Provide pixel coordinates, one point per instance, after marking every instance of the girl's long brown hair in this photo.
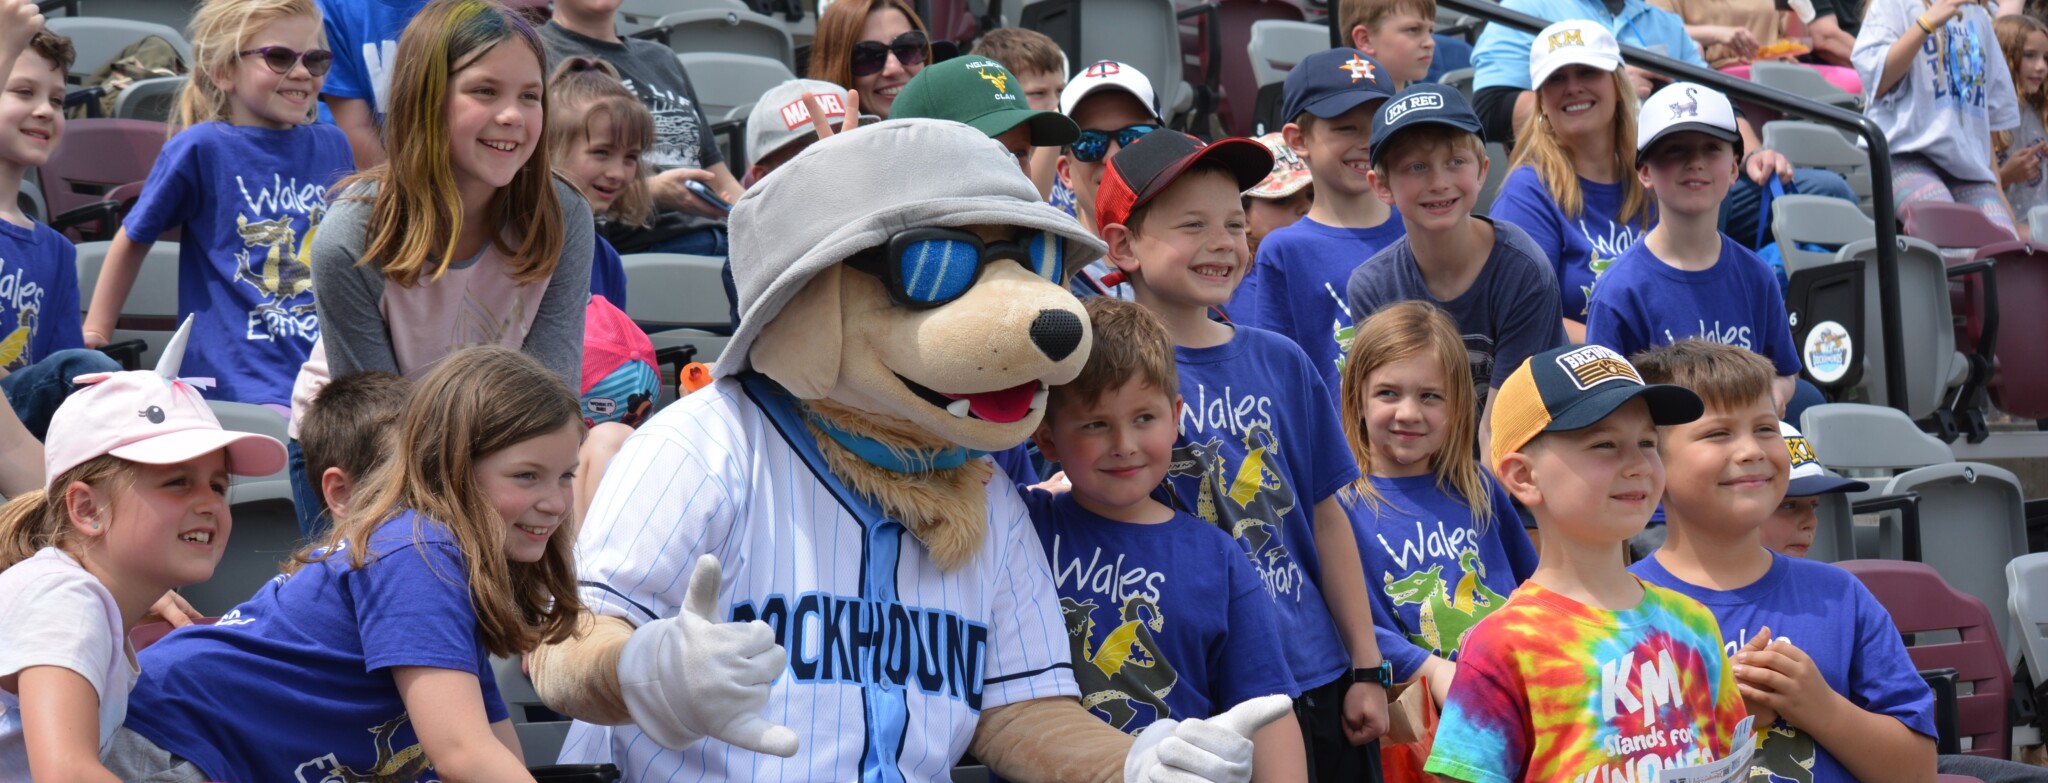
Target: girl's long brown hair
(416, 213)
(839, 29)
(475, 403)
(2012, 34)
(1397, 332)
(1538, 145)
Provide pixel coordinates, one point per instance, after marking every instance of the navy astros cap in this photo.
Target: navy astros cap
(1331, 82)
(1423, 103)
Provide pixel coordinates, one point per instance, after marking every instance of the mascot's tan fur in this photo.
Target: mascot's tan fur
(869, 366)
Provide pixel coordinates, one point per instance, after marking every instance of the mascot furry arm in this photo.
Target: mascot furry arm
(833, 472)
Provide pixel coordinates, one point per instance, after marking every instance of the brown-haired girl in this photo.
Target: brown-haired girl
(597, 134)
(2021, 150)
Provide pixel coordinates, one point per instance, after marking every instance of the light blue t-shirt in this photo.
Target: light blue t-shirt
(1501, 56)
(1259, 446)
(1580, 247)
(364, 37)
(1643, 303)
(1296, 287)
(1431, 572)
(250, 200)
(1829, 615)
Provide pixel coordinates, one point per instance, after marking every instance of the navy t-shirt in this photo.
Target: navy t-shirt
(1833, 618)
(1296, 288)
(39, 298)
(249, 200)
(1643, 303)
(1508, 315)
(1165, 620)
(1259, 446)
(1431, 572)
(1579, 247)
(295, 683)
(608, 273)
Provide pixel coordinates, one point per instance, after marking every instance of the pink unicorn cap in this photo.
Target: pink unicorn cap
(152, 417)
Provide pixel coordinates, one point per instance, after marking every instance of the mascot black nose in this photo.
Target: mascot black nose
(1056, 332)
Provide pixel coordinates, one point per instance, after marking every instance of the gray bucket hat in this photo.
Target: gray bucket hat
(854, 190)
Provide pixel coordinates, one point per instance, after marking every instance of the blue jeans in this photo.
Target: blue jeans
(306, 500)
(35, 391)
(1742, 218)
(706, 241)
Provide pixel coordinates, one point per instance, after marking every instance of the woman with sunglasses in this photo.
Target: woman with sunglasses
(872, 47)
(245, 175)
(684, 151)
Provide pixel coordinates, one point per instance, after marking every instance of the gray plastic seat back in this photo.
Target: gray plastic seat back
(737, 31)
(149, 99)
(1973, 521)
(155, 295)
(1850, 436)
(2037, 221)
(2026, 577)
(675, 290)
(1820, 146)
(1927, 325)
(1143, 33)
(1817, 220)
(1460, 80)
(1496, 172)
(726, 81)
(1803, 81)
(98, 38)
(540, 742)
(1277, 44)
(266, 529)
(1834, 535)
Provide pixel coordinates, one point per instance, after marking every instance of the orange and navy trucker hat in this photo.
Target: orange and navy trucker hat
(1151, 164)
(1574, 387)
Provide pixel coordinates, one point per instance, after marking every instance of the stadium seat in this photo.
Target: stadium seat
(1812, 145)
(99, 157)
(692, 311)
(1237, 87)
(1496, 172)
(266, 530)
(151, 312)
(2037, 222)
(2026, 577)
(1142, 33)
(1275, 47)
(1927, 612)
(728, 83)
(1804, 82)
(149, 99)
(1460, 80)
(98, 38)
(737, 31)
(637, 15)
(541, 730)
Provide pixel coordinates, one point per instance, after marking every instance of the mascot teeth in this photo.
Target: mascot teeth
(1038, 400)
(959, 408)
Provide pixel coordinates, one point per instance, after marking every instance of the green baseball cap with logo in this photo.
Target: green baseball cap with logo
(983, 94)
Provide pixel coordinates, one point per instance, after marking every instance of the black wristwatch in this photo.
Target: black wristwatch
(1381, 675)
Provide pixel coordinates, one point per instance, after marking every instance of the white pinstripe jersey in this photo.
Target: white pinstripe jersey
(889, 666)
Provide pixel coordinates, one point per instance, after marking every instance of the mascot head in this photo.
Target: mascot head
(908, 271)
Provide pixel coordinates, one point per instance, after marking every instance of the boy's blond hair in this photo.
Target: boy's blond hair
(1429, 137)
(1724, 376)
(1370, 13)
(1022, 51)
(1130, 342)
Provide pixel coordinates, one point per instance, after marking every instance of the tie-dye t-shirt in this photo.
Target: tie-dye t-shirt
(1550, 689)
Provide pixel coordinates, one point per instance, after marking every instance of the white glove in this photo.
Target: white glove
(1218, 749)
(690, 676)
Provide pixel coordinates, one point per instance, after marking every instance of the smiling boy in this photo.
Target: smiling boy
(1261, 454)
(1429, 163)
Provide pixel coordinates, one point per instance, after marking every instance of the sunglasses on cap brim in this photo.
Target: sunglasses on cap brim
(928, 267)
(870, 57)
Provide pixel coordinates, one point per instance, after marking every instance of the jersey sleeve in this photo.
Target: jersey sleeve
(412, 607)
(1483, 735)
(57, 620)
(1882, 677)
(171, 194)
(1029, 654)
(1252, 664)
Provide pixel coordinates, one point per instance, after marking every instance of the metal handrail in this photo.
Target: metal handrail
(1881, 197)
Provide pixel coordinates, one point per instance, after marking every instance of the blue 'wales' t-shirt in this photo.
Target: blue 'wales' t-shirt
(295, 684)
(1580, 247)
(1259, 447)
(1165, 620)
(249, 199)
(1296, 287)
(39, 304)
(364, 37)
(1643, 303)
(1431, 573)
(1829, 615)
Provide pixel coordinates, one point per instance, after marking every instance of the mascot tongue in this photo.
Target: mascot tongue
(1001, 406)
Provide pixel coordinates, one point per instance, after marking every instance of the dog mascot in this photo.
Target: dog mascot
(807, 571)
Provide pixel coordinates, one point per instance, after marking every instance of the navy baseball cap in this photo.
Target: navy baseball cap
(1423, 103)
(1329, 83)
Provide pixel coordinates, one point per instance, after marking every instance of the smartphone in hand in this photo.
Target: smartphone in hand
(703, 191)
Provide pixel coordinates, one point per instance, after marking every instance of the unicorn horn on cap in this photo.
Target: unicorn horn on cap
(174, 351)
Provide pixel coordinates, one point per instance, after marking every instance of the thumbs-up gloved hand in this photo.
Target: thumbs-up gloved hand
(1218, 749)
(689, 676)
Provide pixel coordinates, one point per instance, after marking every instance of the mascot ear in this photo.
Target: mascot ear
(800, 349)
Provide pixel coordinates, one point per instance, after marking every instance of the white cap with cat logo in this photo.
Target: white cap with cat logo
(1683, 107)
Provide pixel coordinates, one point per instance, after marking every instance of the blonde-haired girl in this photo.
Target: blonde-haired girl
(371, 655)
(1430, 522)
(245, 178)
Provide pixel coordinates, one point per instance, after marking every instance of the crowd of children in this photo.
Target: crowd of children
(1343, 438)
